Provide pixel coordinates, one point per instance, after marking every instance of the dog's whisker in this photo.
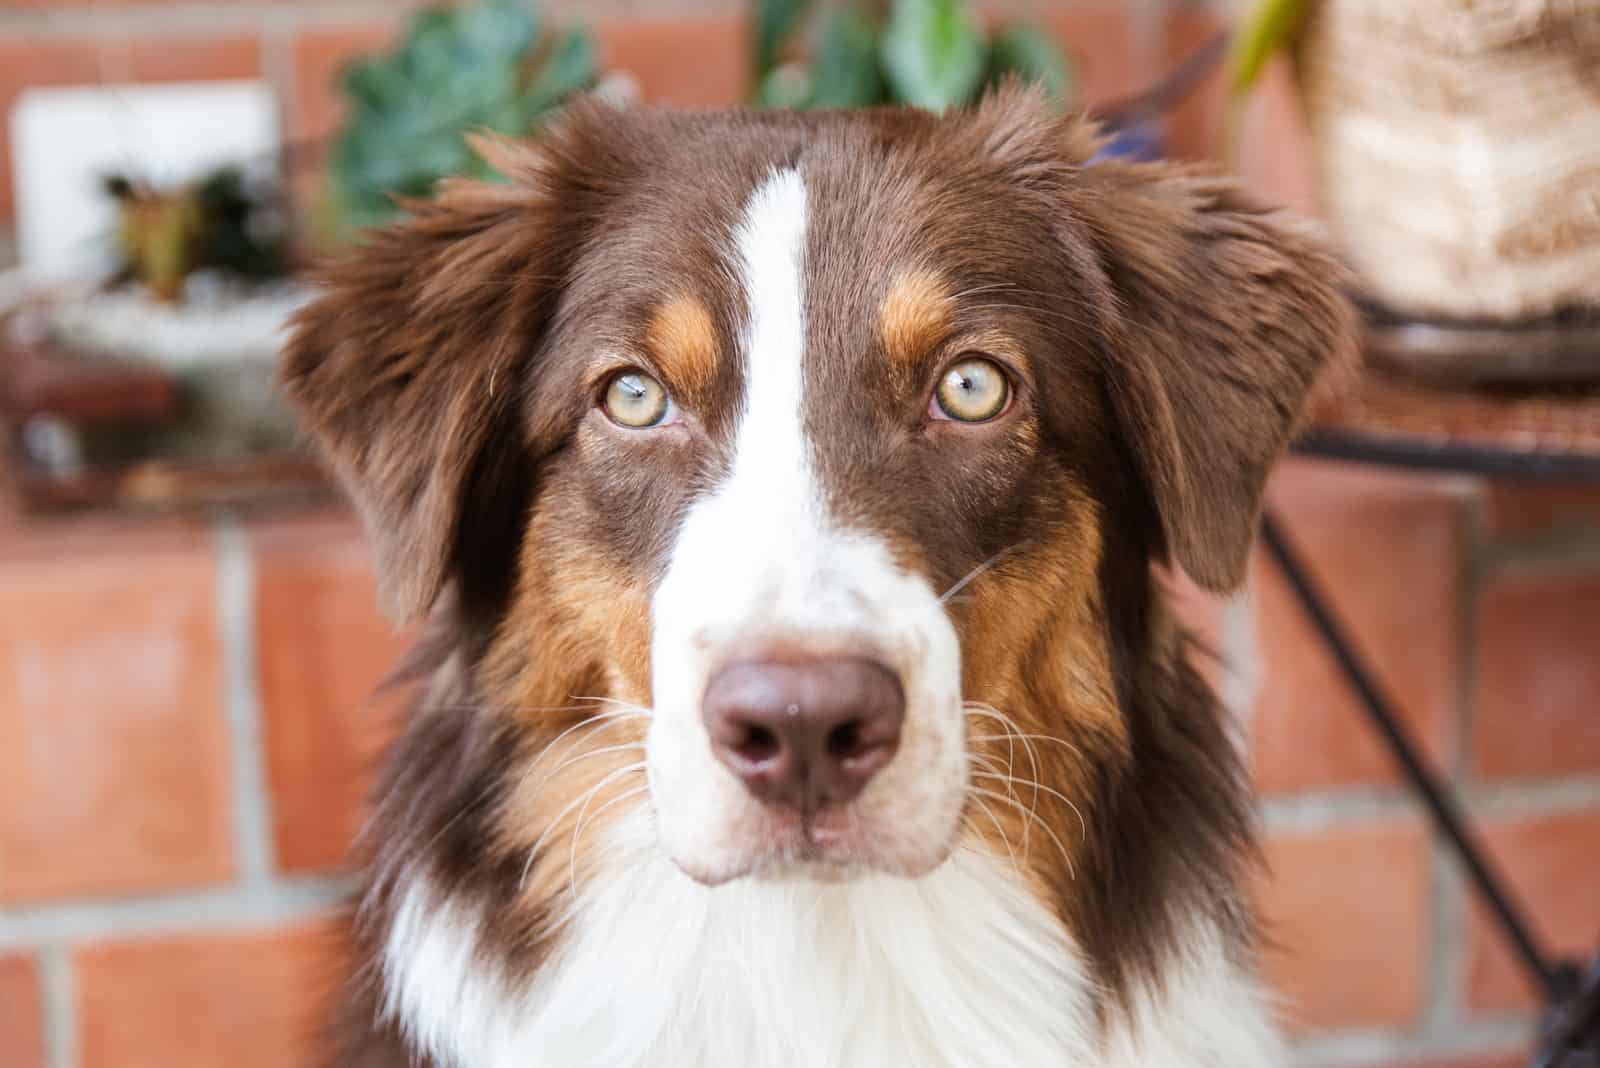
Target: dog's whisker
(999, 829)
(469, 706)
(1032, 738)
(550, 827)
(1030, 817)
(599, 721)
(577, 831)
(620, 747)
(988, 763)
(1016, 732)
(614, 701)
(1010, 732)
(574, 901)
(983, 289)
(577, 758)
(1083, 825)
(961, 584)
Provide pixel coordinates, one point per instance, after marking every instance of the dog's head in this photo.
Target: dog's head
(830, 452)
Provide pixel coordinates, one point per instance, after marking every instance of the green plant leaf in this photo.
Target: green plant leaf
(482, 65)
(846, 73)
(933, 53)
(787, 85)
(504, 29)
(775, 20)
(1032, 56)
(568, 68)
(1270, 25)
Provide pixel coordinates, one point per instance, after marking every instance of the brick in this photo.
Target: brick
(245, 999)
(1516, 512)
(689, 61)
(1347, 910)
(114, 771)
(103, 5)
(21, 1024)
(320, 57)
(322, 649)
(1387, 550)
(1274, 148)
(1553, 863)
(1099, 39)
(34, 61)
(1538, 686)
(1473, 1060)
(1193, 126)
(1275, 153)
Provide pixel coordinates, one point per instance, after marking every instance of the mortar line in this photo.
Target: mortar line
(1319, 809)
(278, 66)
(159, 20)
(1242, 674)
(58, 1002)
(274, 902)
(1447, 959)
(1364, 1048)
(251, 804)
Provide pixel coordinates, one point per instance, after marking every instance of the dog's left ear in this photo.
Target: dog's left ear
(1223, 314)
(410, 369)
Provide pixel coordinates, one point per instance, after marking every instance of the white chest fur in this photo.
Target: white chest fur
(956, 970)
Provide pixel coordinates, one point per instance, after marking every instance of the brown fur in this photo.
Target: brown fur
(1162, 331)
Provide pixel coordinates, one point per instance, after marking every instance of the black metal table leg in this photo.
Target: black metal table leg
(1572, 1028)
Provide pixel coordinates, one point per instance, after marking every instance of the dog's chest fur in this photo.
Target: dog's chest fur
(960, 969)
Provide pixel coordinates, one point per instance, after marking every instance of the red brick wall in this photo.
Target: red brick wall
(185, 719)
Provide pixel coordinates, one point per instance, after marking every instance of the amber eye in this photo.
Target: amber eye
(974, 390)
(635, 400)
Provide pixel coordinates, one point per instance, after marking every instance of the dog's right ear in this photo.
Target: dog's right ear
(409, 369)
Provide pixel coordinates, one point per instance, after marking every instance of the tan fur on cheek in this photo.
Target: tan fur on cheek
(1042, 707)
(570, 669)
(575, 787)
(914, 316)
(577, 628)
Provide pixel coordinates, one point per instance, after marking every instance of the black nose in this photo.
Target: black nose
(804, 734)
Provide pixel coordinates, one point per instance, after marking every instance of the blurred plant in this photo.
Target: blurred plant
(1268, 27)
(225, 221)
(929, 53)
(487, 65)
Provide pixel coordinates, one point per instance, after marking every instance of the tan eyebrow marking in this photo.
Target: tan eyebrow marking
(915, 314)
(683, 338)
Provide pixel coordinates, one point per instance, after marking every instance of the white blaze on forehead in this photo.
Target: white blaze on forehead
(770, 453)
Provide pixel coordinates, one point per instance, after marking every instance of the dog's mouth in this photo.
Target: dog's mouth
(832, 843)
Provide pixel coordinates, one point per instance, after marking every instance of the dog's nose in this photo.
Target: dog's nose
(804, 734)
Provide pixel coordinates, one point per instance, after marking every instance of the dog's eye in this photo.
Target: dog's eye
(635, 400)
(973, 390)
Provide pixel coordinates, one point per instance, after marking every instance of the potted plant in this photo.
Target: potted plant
(1457, 151)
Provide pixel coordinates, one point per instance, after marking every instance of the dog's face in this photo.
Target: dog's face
(816, 448)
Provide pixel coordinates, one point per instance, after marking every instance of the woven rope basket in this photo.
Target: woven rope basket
(1458, 150)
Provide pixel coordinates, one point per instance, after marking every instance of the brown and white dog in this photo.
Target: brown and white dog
(783, 491)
